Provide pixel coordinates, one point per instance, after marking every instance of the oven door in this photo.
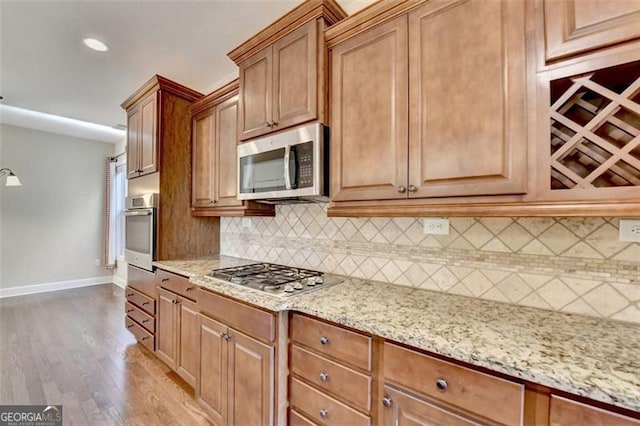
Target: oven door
(140, 237)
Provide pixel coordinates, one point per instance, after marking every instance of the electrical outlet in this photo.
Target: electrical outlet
(246, 222)
(436, 226)
(97, 262)
(629, 230)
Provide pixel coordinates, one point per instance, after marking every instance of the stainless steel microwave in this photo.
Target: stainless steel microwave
(289, 166)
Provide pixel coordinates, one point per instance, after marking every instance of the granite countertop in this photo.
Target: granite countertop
(591, 357)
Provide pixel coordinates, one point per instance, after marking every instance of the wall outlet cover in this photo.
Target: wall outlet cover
(629, 230)
(436, 226)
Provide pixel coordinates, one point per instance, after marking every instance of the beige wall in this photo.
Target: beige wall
(51, 227)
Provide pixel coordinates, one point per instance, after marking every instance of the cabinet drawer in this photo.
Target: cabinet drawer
(347, 346)
(141, 317)
(141, 280)
(345, 383)
(143, 302)
(565, 412)
(142, 335)
(177, 284)
(256, 322)
(297, 419)
(462, 387)
(322, 409)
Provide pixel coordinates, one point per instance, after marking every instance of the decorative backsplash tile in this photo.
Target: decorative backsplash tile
(565, 264)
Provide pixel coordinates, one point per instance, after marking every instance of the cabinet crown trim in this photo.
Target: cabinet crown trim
(219, 95)
(307, 11)
(367, 18)
(158, 82)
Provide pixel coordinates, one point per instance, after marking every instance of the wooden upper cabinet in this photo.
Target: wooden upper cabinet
(133, 138)
(295, 74)
(226, 136)
(467, 125)
(369, 114)
(214, 141)
(576, 26)
(282, 70)
(142, 131)
(203, 186)
(152, 115)
(255, 100)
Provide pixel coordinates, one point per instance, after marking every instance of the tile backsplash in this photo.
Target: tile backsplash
(565, 264)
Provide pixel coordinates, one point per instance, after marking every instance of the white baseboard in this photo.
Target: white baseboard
(119, 281)
(60, 285)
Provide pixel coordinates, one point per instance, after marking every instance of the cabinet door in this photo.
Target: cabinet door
(148, 135)
(251, 381)
(565, 412)
(187, 360)
(467, 115)
(211, 380)
(575, 26)
(369, 102)
(203, 181)
(295, 77)
(402, 409)
(255, 94)
(133, 141)
(166, 331)
(227, 152)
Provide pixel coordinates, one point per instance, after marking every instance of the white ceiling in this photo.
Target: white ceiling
(44, 66)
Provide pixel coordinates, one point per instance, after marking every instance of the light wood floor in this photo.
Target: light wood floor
(71, 347)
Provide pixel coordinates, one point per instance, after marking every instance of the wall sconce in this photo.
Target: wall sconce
(12, 180)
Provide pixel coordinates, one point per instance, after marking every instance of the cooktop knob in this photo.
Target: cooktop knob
(297, 285)
(311, 281)
(319, 280)
(287, 288)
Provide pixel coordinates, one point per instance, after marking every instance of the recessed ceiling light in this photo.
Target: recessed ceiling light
(94, 44)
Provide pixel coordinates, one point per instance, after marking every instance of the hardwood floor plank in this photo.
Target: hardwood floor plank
(71, 347)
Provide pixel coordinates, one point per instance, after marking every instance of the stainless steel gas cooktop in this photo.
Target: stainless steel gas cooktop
(277, 280)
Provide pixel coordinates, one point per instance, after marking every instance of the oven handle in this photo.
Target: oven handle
(137, 213)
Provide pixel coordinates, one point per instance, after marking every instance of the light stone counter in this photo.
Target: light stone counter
(591, 357)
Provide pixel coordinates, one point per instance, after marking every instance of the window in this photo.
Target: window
(120, 184)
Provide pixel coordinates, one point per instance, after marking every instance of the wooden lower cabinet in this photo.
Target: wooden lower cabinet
(564, 412)
(235, 380)
(176, 331)
(402, 408)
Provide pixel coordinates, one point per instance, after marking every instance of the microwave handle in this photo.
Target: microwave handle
(290, 164)
(137, 213)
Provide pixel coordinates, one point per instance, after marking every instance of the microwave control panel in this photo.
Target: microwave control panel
(304, 154)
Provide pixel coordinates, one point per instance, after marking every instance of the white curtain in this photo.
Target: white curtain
(110, 214)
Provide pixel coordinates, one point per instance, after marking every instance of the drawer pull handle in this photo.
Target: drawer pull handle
(324, 413)
(129, 310)
(174, 301)
(145, 337)
(188, 288)
(442, 384)
(386, 401)
(164, 280)
(145, 303)
(145, 320)
(324, 341)
(129, 294)
(130, 325)
(324, 377)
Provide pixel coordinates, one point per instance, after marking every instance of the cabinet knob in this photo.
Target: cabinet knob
(274, 123)
(174, 301)
(226, 336)
(402, 189)
(442, 384)
(412, 188)
(386, 401)
(267, 124)
(324, 413)
(212, 202)
(324, 341)
(324, 377)
(164, 280)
